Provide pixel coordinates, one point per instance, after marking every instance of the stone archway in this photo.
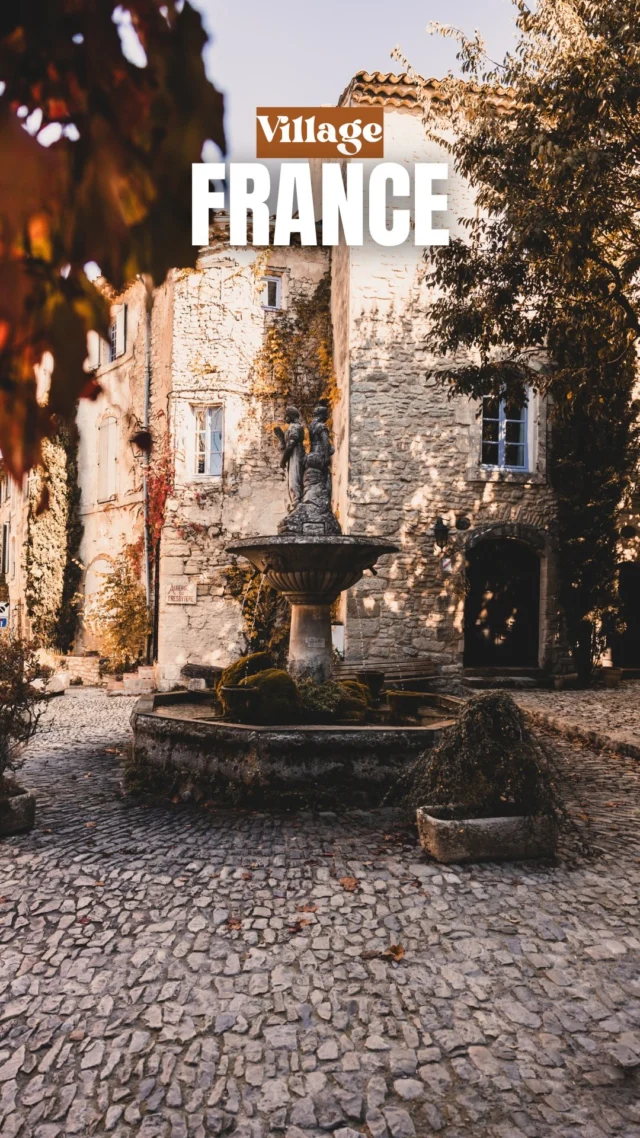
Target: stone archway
(502, 609)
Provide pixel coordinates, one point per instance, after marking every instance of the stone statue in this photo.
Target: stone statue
(310, 513)
(293, 454)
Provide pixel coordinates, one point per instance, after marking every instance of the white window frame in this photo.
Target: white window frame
(108, 462)
(272, 278)
(205, 412)
(117, 345)
(502, 442)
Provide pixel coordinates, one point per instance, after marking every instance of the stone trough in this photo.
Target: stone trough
(180, 745)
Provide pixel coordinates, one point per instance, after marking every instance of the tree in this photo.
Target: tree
(545, 292)
(113, 189)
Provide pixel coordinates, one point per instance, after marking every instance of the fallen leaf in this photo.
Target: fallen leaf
(234, 923)
(98, 883)
(89, 825)
(307, 908)
(247, 876)
(393, 952)
(349, 883)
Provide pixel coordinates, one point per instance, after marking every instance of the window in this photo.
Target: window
(272, 295)
(118, 333)
(6, 531)
(107, 459)
(101, 352)
(504, 434)
(12, 558)
(208, 448)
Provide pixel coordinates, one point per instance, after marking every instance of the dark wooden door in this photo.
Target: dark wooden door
(502, 611)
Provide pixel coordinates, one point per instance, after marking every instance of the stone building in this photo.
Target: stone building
(461, 487)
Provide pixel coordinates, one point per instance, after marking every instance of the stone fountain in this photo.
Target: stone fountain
(181, 741)
(310, 560)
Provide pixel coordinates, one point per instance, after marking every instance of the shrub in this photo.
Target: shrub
(20, 701)
(118, 616)
(487, 764)
(278, 695)
(243, 667)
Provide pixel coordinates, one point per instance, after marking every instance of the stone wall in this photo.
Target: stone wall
(218, 328)
(412, 454)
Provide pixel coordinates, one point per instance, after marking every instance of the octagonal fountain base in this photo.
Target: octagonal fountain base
(182, 747)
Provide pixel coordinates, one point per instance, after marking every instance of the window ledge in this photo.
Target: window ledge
(119, 360)
(520, 477)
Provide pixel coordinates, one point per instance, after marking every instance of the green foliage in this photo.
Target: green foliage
(545, 293)
(20, 701)
(331, 701)
(114, 189)
(266, 613)
(117, 614)
(295, 364)
(245, 666)
(486, 765)
(278, 695)
(52, 548)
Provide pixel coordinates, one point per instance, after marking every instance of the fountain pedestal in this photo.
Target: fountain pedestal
(310, 648)
(312, 572)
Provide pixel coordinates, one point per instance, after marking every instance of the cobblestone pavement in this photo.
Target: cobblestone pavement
(169, 972)
(612, 714)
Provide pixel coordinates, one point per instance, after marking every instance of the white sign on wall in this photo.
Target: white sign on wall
(4, 615)
(181, 591)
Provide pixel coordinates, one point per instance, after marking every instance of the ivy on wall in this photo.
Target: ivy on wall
(266, 613)
(295, 363)
(54, 533)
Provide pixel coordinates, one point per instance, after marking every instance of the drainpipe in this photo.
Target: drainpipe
(145, 479)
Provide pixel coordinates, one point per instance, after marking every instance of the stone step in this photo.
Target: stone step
(505, 682)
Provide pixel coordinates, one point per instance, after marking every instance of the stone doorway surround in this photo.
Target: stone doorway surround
(538, 541)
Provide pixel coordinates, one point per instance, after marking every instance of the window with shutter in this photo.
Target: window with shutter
(118, 333)
(6, 530)
(107, 459)
(93, 350)
(208, 441)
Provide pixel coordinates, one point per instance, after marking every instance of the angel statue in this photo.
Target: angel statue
(293, 453)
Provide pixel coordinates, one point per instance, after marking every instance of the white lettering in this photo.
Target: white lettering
(295, 180)
(427, 203)
(242, 199)
(203, 199)
(340, 205)
(398, 176)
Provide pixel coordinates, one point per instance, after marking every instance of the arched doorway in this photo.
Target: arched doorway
(626, 646)
(502, 610)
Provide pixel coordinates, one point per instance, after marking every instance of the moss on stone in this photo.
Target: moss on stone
(243, 668)
(278, 695)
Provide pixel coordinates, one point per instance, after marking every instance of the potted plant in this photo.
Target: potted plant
(486, 792)
(20, 706)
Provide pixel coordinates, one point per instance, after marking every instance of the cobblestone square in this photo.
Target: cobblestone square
(167, 972)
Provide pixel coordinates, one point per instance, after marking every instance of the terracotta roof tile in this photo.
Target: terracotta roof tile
(386, 89)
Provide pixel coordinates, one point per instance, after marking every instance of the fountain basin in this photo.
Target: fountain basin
(311, 572)
(180, 744)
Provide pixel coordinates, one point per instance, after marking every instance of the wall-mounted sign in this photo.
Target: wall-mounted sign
(4, 615)
(181, 591)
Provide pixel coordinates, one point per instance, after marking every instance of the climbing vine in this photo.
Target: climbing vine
(295, 363)
(266, 613)
(52, 548)
(117, 614)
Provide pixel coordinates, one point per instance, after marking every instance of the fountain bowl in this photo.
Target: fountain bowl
(312, 570)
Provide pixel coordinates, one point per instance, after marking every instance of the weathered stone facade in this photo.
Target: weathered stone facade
(406, 454)
(218, 328)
